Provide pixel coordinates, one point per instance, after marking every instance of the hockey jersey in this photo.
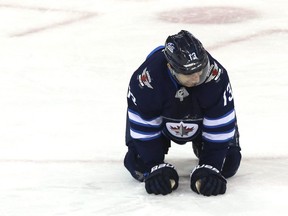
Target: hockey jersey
(161, 110)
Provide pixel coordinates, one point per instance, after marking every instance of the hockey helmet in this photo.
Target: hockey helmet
(185, 53)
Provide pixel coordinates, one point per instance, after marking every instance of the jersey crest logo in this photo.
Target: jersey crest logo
(145, 79)
(182, 130)
(181, 93)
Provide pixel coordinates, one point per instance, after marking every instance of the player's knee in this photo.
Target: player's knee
(134, 165)
(232, 162)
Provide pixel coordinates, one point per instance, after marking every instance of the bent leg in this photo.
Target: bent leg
(233, 157)
(232, 162)
(135, 165)
(132, 160)
(197, 145)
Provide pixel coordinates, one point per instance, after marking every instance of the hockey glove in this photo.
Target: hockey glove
(162, 179)
(207, 180)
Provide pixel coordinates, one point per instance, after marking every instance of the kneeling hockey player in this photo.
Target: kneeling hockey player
(181, 93)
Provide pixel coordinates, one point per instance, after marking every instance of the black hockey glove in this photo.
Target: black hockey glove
(207, 180)
(162, 179)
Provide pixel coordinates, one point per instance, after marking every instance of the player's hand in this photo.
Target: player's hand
(207, 180)
(162, 179)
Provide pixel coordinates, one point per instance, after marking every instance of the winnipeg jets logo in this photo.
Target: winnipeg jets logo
(145, 79)
(182, 130)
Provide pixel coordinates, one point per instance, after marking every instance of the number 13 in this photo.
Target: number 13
(228, 94)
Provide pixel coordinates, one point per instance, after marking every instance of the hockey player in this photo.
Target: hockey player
(181, 93)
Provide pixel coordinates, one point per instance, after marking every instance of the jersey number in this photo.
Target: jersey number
(131, 96)
(228, 94)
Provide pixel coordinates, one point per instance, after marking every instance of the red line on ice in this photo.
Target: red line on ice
(81, 15)
(248, 37)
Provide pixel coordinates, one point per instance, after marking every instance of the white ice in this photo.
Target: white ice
(64, 71)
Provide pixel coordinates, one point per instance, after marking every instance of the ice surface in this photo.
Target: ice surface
(65, 66)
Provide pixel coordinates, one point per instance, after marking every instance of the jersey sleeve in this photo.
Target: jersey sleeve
(219, 121)
(144, 119)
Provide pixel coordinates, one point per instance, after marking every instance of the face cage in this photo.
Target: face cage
(205, 73)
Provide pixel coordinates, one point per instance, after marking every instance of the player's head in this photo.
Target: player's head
(187, 58)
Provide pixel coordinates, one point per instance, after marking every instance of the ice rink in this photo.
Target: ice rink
(64, 72)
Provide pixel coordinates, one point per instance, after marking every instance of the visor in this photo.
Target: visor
(205, 72)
